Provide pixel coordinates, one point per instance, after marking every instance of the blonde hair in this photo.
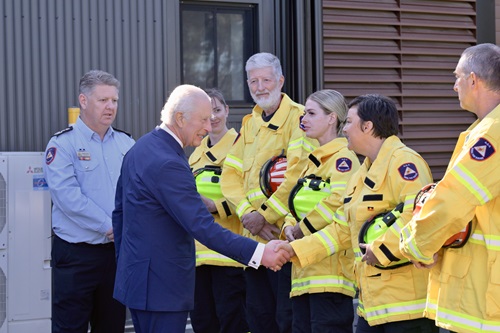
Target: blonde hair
(331, 101)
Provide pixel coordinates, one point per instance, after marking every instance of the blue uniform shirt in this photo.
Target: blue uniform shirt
(82, 172)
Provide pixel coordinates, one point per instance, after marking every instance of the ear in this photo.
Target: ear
(473, 79)
(83, 101)
(332, 119)
(367, 126)
(281, 81)
(179, 119)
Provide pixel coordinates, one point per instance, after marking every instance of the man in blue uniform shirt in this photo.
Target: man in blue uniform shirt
(159, 213)
(82, 168)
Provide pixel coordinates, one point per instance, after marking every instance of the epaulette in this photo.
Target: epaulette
(63, 131)
(121, 131)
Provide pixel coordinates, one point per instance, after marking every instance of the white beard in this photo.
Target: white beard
(269, 102)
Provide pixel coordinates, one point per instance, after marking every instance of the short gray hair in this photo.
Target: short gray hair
(94, 78)
(264, 59)
(484, 61)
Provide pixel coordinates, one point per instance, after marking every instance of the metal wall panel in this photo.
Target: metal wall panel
(407, 50)
(47, 45)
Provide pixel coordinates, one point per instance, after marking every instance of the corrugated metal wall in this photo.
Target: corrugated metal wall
(47, 45)
(407, 50)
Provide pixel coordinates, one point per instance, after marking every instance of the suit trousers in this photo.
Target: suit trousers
(159, 321)
(83, 278)
(322, 313)
(219, 300)
(269, 308)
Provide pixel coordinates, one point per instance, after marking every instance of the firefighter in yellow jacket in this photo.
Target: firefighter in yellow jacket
(322, 293)
(391, 297)
(464, 286)
(219, 304)
(273, 127)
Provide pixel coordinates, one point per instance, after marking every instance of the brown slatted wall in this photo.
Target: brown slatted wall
(406, 50)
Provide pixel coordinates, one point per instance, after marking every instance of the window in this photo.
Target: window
(216, 41)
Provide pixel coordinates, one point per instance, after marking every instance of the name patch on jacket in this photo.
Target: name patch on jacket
(343, 164)
(481, 150)
(408, 171)
(50, 155)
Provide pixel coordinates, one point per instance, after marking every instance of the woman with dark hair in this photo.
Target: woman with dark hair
(377, 203)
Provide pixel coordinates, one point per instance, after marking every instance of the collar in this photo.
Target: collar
(88, 133)
(329, 149)
(164, 127)
(377, 170)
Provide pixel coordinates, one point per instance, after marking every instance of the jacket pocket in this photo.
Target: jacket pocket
(493, 292)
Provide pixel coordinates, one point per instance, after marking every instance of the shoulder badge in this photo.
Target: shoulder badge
(408, 171)
(121, 131)
(63, 131)
(481, 150)
(50, 155)
(343, 164)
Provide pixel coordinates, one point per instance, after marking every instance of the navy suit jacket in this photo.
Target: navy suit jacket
(158, 212)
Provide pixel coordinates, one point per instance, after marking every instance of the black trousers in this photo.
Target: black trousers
(322, 313)
(269, 308)
(219, 300)
(83, 277)
(421, 325)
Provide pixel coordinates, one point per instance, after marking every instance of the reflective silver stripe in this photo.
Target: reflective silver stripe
(340, 219)
(396, 227)
(358, 254)
(325, 212)
(234, 162)
(277, 206)
(339, 186)
(411, 246)
(322, 281)
(242, 207)
(409, 202)
(388, 310)
(255, 194)
(492, 242)
(463, 321)
(472, 183)
(328, 242)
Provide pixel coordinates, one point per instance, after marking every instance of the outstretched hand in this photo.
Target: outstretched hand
(274, 258)
(285, 246)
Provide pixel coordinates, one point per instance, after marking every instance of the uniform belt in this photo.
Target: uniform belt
(83, 244)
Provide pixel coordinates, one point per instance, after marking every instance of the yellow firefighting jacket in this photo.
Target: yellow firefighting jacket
(386, 295)
(335, 162)
(226, 217)
(464, 286)
(259, 141)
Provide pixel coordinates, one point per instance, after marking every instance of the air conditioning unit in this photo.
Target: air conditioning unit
(25, 243)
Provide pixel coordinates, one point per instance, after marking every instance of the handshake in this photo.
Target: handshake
(276, 254)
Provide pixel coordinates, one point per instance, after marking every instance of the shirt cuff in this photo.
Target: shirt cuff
(257, 256)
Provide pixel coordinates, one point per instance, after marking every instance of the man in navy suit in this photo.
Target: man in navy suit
(158, 213)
